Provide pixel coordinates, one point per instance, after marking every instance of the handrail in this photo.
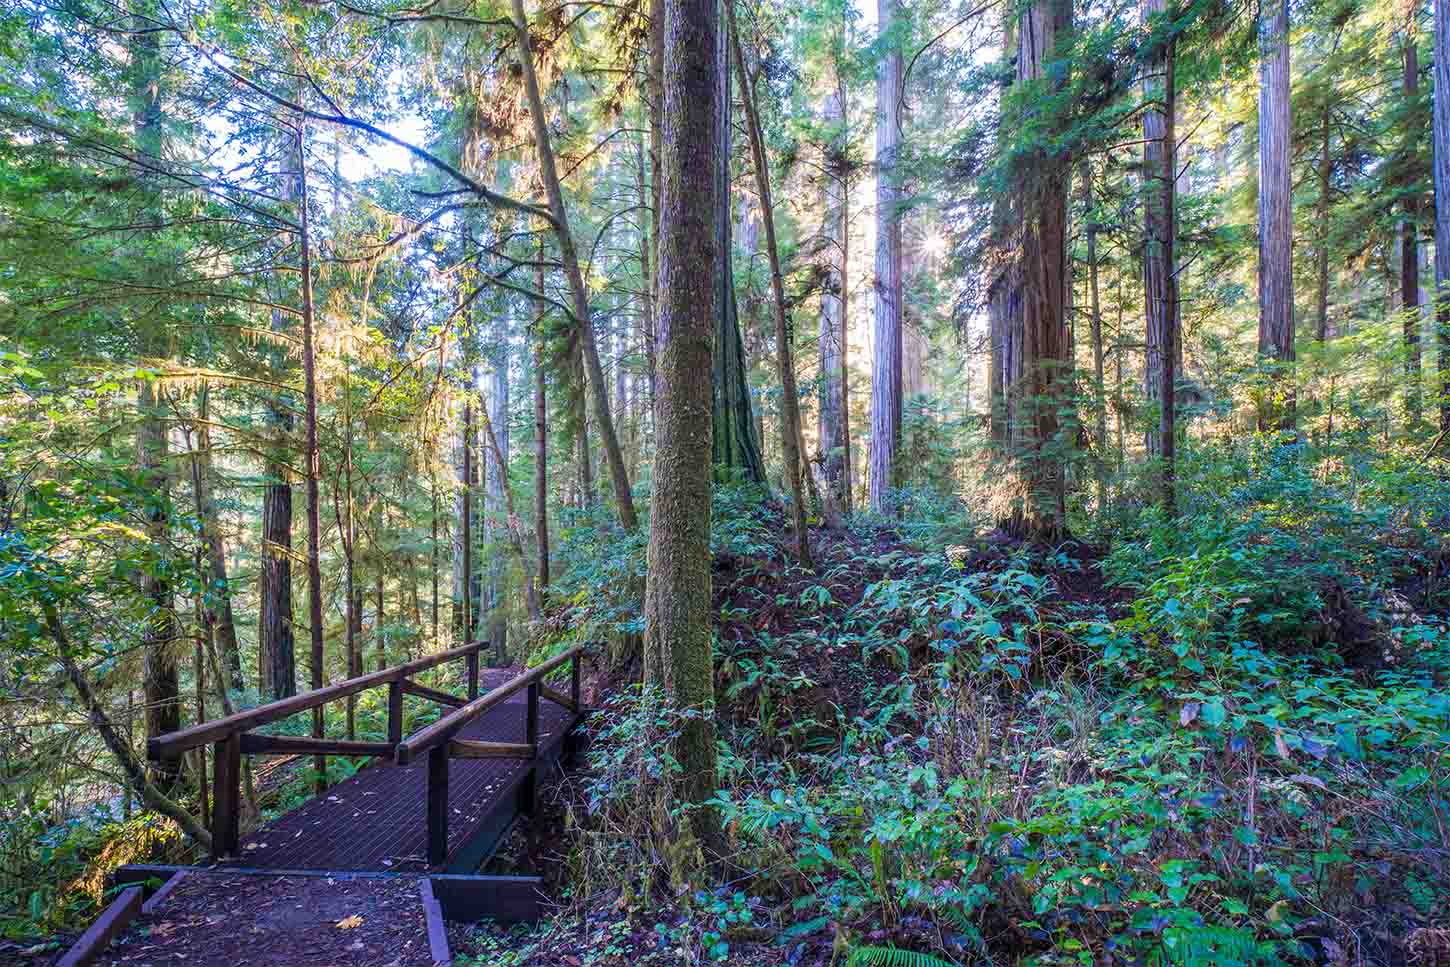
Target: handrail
(174, 743)
(449, 725)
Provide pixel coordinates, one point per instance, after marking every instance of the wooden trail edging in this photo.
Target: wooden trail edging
(98, 935)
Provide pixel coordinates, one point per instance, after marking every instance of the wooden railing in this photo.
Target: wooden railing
(440, 742)
(232, 737)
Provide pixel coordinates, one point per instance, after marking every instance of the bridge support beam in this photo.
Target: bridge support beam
(437, 805)
(226, 813)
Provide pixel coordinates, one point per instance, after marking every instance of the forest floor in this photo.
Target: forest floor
(756, 596)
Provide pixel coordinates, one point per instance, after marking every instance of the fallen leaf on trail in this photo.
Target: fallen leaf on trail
(347, 923)
(1188, 713)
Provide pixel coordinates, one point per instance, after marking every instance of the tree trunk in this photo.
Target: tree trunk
(886, 355)
(541, 437)
(784, 351)
(1276, 217)
(1040, 447)
(1441, 141)
(1321, 315)
(313, 460)
(276, 636)
(1100, 405)
(495, 416)
(832, 427)
(218, 596)
(736, 447)
(677, 607)
(514, 528)
(161, 683)
(463, 528)
(569, 259)
(1160, 283)
(1410, 246)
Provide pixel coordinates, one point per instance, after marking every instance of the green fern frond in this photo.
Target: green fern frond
(1212, 947)
(893, 957)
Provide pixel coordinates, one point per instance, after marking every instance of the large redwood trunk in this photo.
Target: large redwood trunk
(1160, 282)
(886, 353)
(1441, 128)
(1410, 246)
(831, 340)
(1276, 217)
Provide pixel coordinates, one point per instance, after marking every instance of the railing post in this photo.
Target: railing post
(574, 690)
(395, 711)
(531, 727)
(227, 790)
(528, 789)
(472, 674)
(438, 804)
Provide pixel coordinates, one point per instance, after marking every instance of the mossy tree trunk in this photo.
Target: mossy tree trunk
(677, 606)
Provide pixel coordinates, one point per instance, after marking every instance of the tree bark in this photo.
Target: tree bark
(569, 259)
(313, 460)
(1160, 282)
(1276, 217)
(1410, 244)
(833, 428)
(677, 607)
(495, 415)
(161, 683)
(1039, 447)
(276, 636)
(784, 350)
(735, 447)
(1441, 126)
(541, 437)
(1100, 404)
(1321, 324)
(218, 604)
(886, 354)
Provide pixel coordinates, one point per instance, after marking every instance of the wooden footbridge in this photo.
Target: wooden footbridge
(433, 805)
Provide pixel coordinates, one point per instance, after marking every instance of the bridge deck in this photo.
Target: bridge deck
(376, 821)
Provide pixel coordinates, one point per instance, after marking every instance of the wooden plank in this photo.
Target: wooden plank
(253, 744)
(575, 693)
(159, 897)
(437, 932)
(433, 695)
(175, 743)
(99, 935)
(559, 698)
(448, 726)
(475, 749)
(226, 804)
(503, 898)
(437, 805)
(395, 712)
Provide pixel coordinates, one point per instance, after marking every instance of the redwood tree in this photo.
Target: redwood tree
(886, 354)
(1276, 215)
(1442, 202)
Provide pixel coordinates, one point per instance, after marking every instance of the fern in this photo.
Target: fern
(893, 957)
(1211, 947)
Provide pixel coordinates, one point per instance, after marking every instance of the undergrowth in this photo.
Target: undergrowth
(1225, 741)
